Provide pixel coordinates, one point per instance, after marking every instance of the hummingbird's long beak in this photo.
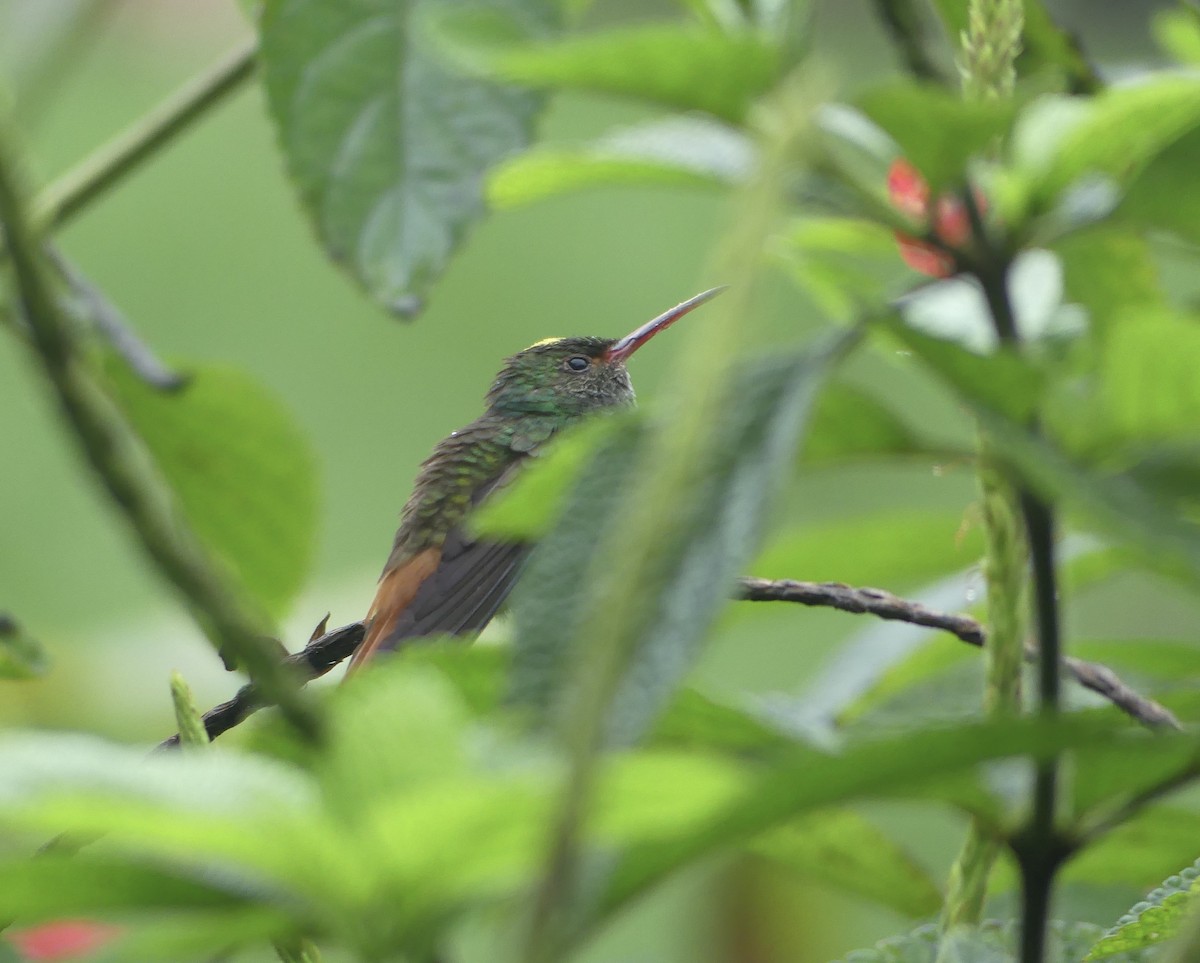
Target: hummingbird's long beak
(627, 345)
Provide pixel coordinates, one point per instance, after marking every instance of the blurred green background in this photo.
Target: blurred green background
(206, 251)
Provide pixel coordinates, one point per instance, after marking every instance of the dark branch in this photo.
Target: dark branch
(112, 325)
(330, 648)
(312, 662)
(870, 601)
(907, 29)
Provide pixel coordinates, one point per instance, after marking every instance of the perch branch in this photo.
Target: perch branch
(871, 601)
(312, 662)
(327, 650)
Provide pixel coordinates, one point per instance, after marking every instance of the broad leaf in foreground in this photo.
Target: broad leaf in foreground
(754, 440)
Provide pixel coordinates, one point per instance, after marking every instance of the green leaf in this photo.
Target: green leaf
(527, 508)
(241, 470)
(255, 817)
(1138, 852)
(846, 265)
(1168, 659)
(1161, 196)
(931, 660)
(54, 886)
(921, 546)
(937, 131)
(676, 65)
(753, 441)
(1000, 381)
(1111, 273)
(693, 720)
(806, 779)
(1153, 920)
(386, 144)
(674, 152)
(994, 941)
(1178, 32)
(1149, 391)
(1117, 505)
(21, 655)
(1122, 130)
(396, 701)
(850, 424)
(844, 849)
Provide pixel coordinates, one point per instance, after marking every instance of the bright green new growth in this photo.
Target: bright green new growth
(990, 45)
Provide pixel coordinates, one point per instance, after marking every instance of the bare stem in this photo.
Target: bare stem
(108, 164)
(106, 442)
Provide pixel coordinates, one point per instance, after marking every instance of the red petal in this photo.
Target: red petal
(907, 189)
(924, 257)
(62, 939)
(951, 222)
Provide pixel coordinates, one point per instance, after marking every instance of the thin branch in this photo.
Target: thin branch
(871, 601)
(114, 328)
(107, 444)
(312, 662)
(908, 30)
(109, 163)
(327, 650)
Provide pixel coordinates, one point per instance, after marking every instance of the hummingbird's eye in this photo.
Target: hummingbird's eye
(578, 363)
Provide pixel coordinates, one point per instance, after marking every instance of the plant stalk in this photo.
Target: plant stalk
(111, 162)
(107, 442)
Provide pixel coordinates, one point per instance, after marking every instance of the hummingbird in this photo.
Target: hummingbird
(439, 579)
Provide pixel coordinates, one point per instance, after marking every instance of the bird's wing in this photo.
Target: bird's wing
(451, 590)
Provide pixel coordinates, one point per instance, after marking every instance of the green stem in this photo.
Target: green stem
(990, 46)
(672, 468)
(905, 23)
(108, 164)
(1042, 850)
(107, 443)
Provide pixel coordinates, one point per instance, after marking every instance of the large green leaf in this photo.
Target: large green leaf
(387, 144)
(1162, 196)
(1153, 920)
(677, 65)
(1178, 32)
(807, 779)
(850, 423)
(1111, 273)
(56, 885)
(754, 440)
(674, 152)
(243, 473)
(846, 265)
(1114, 504)
(21, 655)
(1119, 133)
(995, 941)
(937, 131)
(920, 546)
(844, 849)
(1149, 391)
(527, 508)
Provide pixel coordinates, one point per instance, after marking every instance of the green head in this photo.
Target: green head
(573, 376)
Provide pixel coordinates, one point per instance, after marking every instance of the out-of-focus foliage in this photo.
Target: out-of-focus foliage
(422, 820)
